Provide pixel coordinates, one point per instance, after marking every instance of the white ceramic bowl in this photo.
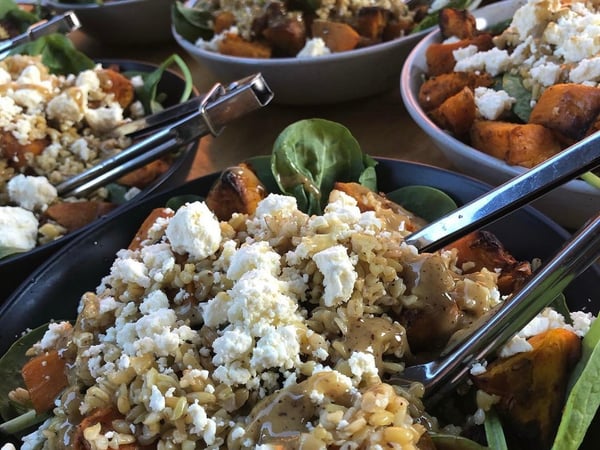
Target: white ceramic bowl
(570, 205)
(325, 79)
(122, 22)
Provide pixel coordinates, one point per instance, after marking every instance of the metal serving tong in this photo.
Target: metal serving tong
(62, 23)
(172, 128)
(474, 344)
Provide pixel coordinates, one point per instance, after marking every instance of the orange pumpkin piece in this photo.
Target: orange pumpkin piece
(338, 37)
(16, 153)
(74, 215)
(532, 385)
(145, 175)
(143, 231)
(45, 377)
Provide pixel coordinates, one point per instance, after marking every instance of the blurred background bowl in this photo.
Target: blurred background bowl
(326, 79)
(323, 79)
(570, 205)
(122, 22)
(15, 268)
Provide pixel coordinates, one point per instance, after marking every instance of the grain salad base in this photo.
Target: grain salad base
(271, 329)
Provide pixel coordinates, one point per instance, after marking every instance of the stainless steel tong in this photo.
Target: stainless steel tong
(63, 23)
(442, 375)
(172, 128)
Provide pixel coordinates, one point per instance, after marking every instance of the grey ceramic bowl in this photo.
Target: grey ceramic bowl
(570, 205)
(125, 22)
(325, 79)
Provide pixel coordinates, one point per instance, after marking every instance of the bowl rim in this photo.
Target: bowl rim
(422, 119)
(290, 60)
(91, 6)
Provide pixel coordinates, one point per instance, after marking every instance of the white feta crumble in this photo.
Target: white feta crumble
(202, 425)
(338, 273)
(313, 47)
(130, 271)
(31, 192)
(157, 400)
(55, 331)
(491, 104)
(586, 70)
(493, 61)
(517, 344)
(253, 256)
(105, 118)
(18, 227)
(194, 229)
(363, 365)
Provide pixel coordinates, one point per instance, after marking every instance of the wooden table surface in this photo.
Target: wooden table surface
(380, 124)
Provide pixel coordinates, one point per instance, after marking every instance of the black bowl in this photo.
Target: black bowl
(54, 289)
(15, 268)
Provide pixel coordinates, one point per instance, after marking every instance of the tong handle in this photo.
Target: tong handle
(508, 318)
(62, 23)
(541, 179)
(218, 107)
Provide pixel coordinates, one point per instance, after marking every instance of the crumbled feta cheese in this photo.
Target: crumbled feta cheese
(253, 256)
(157, 400)
(491, 104)
(105, 118)
(314, 47)
(338, 272)
(31, 192)
(363, 365)
(516, 345)
(19, 228)
(66, 107)
(195, 230)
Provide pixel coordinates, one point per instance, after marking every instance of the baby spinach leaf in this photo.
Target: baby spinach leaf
(22, 422)
(58, 54)
(513, 85)
(560, 305)
(177, 202)
(452, 442)
(310, 155)
(433, 17)
(424, 201)
(10, 370)
(261, 166)
(583, 394)
(499, 27)
(148, 93)
(116, 193)
(192, 23)
(494, 433)
(7, 251)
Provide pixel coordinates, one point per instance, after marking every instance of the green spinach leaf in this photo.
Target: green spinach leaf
(58, 54)
(192, 23)
(261, 166)
(177, 202)
(425, 201)
(10, 370)
(452, 442)
(494, 433)
(513, 85)
(433, 17)
(310, 155)
(148, 93)
(583, 394)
